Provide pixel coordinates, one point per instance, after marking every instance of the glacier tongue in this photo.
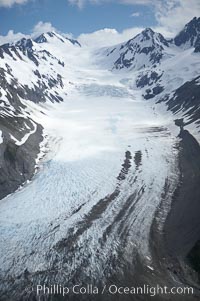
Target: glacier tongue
(103, 181)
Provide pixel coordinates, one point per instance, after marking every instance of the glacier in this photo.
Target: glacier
(107, 167)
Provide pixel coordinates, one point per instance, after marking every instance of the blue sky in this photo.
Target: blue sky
(70, 18)
(94, 20)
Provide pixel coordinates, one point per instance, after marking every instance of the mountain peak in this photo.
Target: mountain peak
(195, 21)
(43, 38)
(144, 50)
(46, 37)
(148, 30)
(193, 25)
(151, 36)
(146, 34)
(190, 35)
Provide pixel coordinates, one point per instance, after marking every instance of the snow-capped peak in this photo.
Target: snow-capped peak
(52, 36)
(144, 50)
(41, 39)
(151, 36)
(48, 36)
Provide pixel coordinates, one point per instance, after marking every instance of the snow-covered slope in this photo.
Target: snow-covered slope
(30, 70)
(35, 66)
(162, 68)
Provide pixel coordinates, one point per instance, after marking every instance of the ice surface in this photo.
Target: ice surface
(102, 117)
(99, 120)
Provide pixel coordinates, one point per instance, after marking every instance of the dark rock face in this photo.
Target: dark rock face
(150, 93)
(17, 162)
(187, 99)
(194, 257)
(190, 34)
(148, 79)
(185, 212)
(197, 49)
